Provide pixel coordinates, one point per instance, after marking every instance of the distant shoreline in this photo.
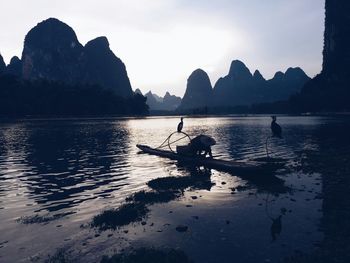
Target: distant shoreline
(169, 115)
(254, 114)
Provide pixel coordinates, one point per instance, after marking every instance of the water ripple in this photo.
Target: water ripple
(62, 164)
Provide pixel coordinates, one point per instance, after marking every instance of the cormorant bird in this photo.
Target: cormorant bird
(180, 125)
(276, 227)
(275, 128)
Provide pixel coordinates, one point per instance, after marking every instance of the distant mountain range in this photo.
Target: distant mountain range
(240, 87)
(58, 76)
(292, 91)
(52, 52)
(166, 103)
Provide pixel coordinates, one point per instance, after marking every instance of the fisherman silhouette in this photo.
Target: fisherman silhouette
(276, 128)
(180, 125)
(202, 143)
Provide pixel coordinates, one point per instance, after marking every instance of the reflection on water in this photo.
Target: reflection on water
(86, 166)
(60, 165)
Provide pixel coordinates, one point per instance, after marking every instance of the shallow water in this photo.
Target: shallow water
(68, 171)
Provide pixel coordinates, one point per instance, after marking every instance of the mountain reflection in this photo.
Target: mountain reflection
(69, 164)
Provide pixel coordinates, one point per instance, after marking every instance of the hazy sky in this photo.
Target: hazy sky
(163, 41)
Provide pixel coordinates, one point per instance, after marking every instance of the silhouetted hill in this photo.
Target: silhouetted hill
(151, 101)
(104, 68)
(15, 67)
(239, 71)
(171, 102)
(329, 91)
(240, 87)
(336, 52)
(53, 52)
(258, 77)
(283, 85)
(2, 65)
(157, 103)
(158, 98)
(199, 92)
(138, 91)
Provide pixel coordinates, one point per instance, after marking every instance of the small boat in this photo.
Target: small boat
(249, 168)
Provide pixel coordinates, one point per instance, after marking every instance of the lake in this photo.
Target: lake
(56, 175)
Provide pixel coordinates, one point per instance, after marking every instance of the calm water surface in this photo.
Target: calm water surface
(71, 170)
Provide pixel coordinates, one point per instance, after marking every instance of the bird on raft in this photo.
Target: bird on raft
(180, 125)
(276, 128)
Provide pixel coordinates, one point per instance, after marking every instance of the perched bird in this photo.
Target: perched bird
(275, 128)
(180, 125)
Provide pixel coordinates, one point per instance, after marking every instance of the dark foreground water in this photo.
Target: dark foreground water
(56, 175)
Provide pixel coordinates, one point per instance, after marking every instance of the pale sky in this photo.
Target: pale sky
(162, 42)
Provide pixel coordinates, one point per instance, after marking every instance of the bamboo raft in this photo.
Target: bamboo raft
(242, 168)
